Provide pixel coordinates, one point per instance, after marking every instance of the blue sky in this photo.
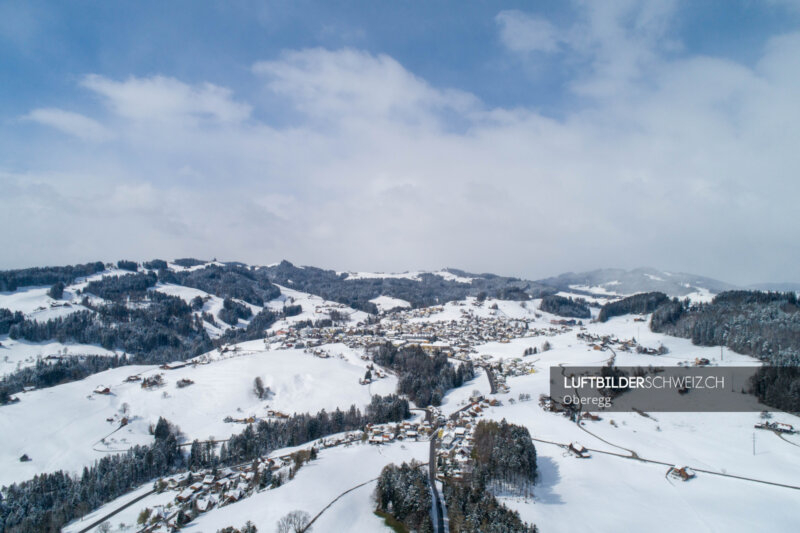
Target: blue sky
(47, 45)
(521, 138)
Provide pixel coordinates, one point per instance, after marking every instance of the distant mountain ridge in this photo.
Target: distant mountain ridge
(617, 281)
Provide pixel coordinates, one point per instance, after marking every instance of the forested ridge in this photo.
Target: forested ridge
(11, 280)
(641, 303)
(429, 289)
(566, 307)
(762, 324)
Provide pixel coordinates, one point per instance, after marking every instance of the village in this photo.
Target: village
(453, 436)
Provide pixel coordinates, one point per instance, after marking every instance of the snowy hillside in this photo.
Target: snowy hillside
(620, 282)
(721, 444)
(221, 387)
(232, 355)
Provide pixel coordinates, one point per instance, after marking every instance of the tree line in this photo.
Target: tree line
(566, 307)
(11, 280)
(642, 303)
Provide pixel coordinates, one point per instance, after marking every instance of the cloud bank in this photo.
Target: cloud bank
(344, 158)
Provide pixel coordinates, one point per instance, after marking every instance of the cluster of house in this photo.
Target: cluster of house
(270, 414)
(201, 491)
(554, 406)
(779, 427)
(456, 438)
(373, 373)
(385, 433)
(682, 473)
(455, 448)
(507, 367)
(456, 338)
(603, 342)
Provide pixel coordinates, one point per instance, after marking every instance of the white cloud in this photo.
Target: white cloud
(161, 98)
(356, 85)
(692, 170)
(521, 32)
(614, 43)
(71, 123)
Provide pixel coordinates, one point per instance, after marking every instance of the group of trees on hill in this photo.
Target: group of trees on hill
(9, 318)
(425, 379)
(155, 264)
(404, 493)
(116, 288)
(161, 331)
(473, 509)
(232, 311)
(504, 455)
(11, 280)
(49, 374)
(56, 292)
(189, 262)
(251, 285)
(765, 325)
(778, 386)
(124, 264)
(265, 436)
(567, 307)
(642, 303)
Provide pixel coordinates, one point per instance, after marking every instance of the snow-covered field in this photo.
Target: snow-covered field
(608, 492)
(78, 418)
(314, 308)
(600, 493)
(387, 303)
(415, 276)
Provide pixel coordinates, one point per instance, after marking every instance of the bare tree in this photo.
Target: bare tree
(294, 522)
